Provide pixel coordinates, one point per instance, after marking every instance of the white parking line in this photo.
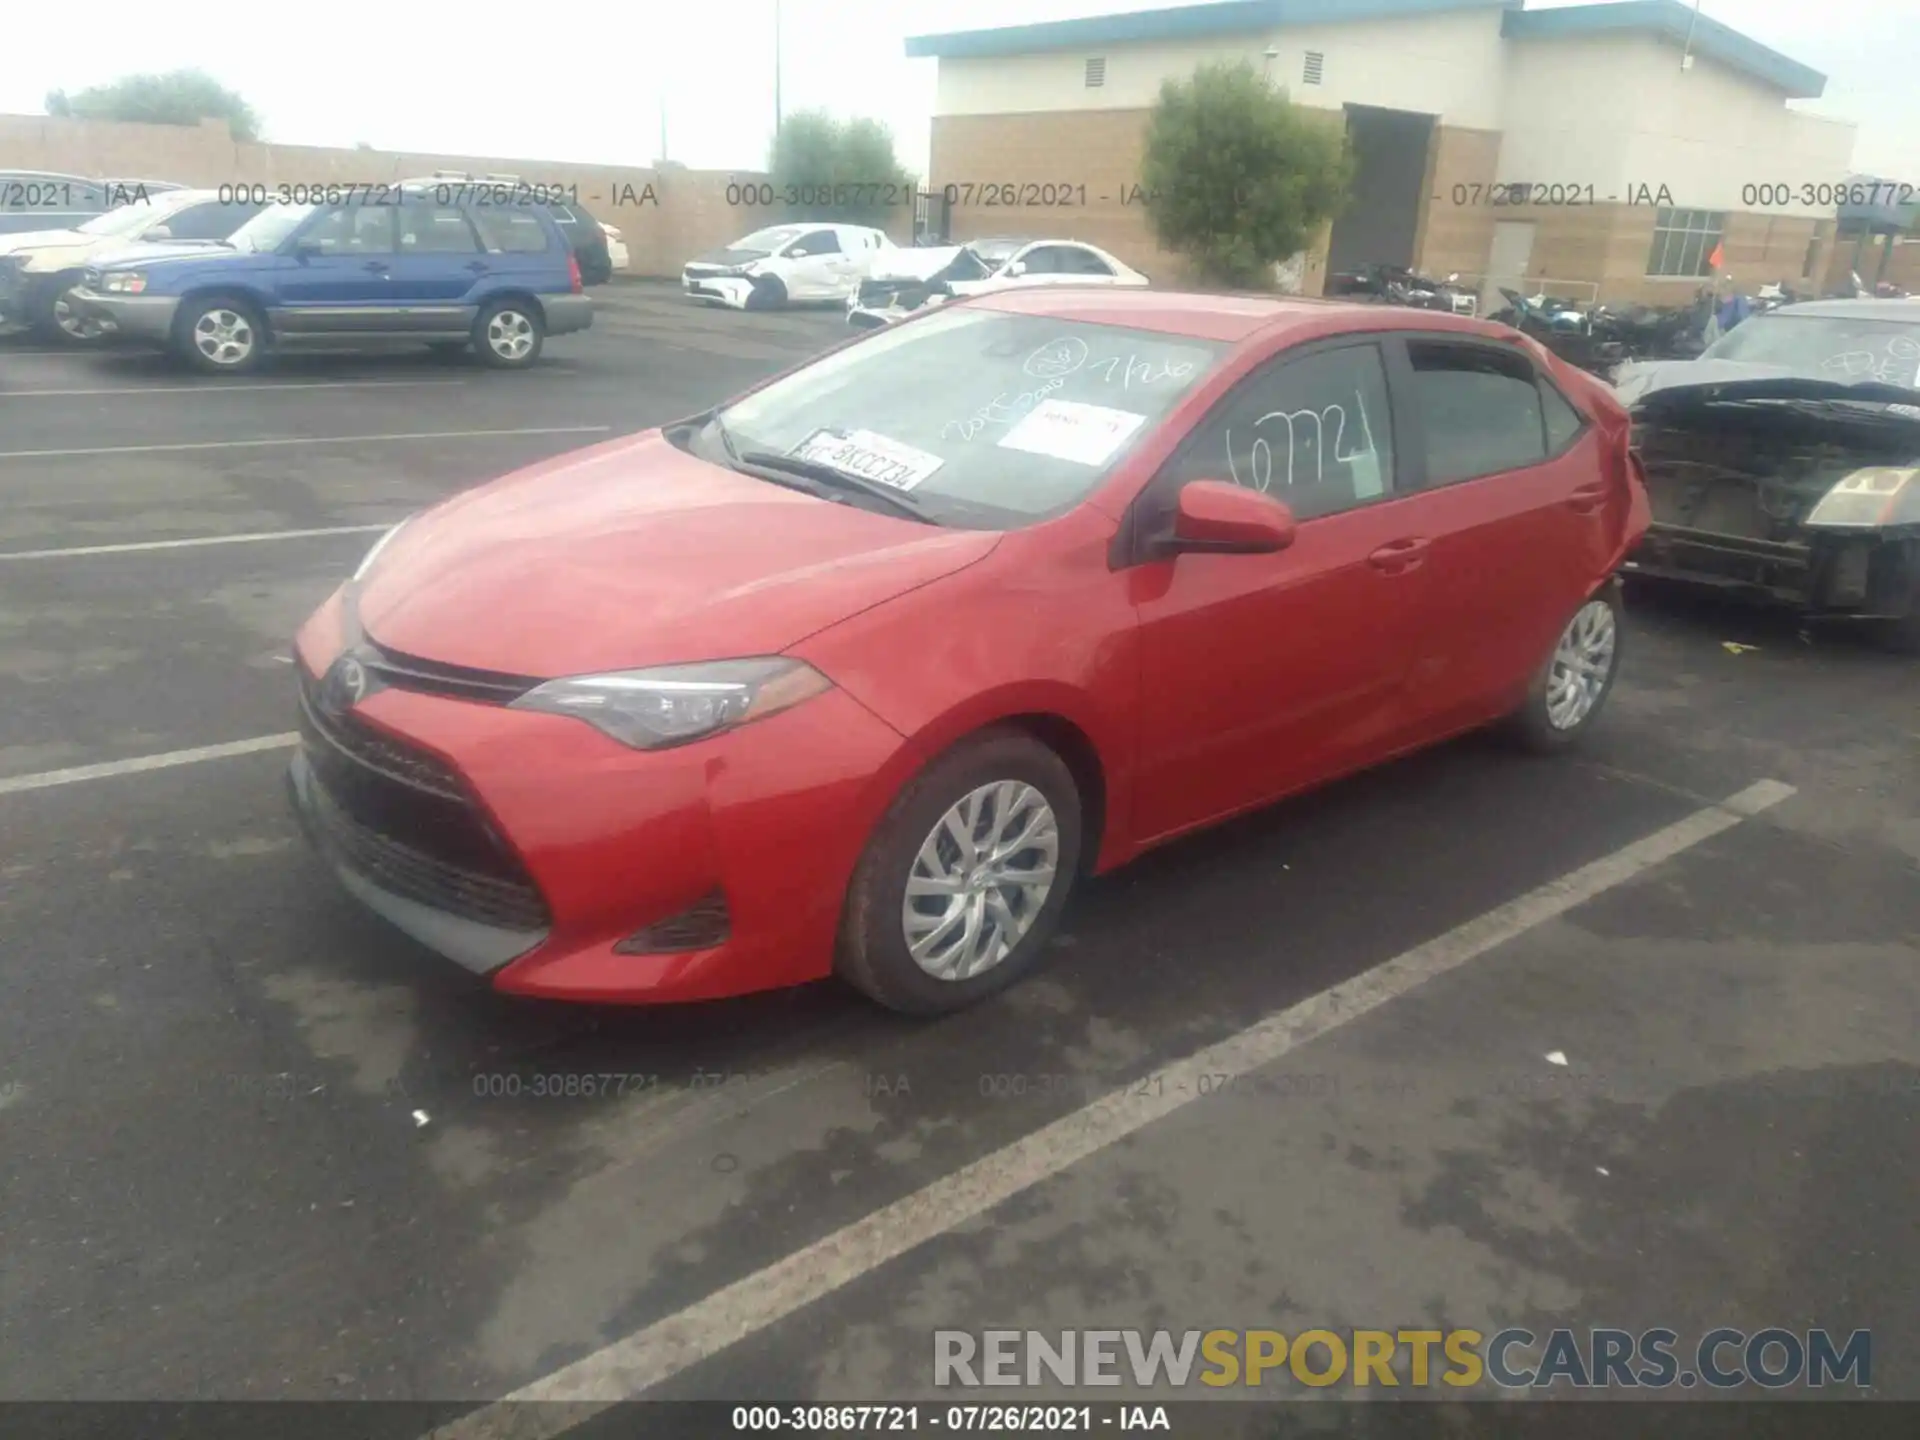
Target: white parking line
(644, 1359)
(305, 440)
(198, 390)
(47, 779)
(133, 545)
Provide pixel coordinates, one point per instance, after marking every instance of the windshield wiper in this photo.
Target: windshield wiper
(833, 478)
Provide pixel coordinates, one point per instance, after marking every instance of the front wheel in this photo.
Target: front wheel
(1569, 690)
(60, 322)
(965, 879)
(509, 333)
(221, 336)
(769, 293)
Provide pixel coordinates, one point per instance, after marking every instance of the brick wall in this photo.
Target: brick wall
(687, 214)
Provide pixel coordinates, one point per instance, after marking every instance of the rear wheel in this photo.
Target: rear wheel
(509, 333)
(1570, 689)
(221, 335)
(965, 879)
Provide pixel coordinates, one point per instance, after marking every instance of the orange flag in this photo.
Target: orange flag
(1718, 256)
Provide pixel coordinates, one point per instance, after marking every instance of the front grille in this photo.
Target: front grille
(407, 820)
(90, 278)
(416, 875)
(433, 677)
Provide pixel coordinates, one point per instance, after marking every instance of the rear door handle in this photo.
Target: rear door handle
(479, 267)
(1587, 498)
(1399, 555)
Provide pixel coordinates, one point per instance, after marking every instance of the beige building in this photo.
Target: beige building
(1653, 135)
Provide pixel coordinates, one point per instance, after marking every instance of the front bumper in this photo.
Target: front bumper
(731, 290)
(567, 313)
(864, 317)
(1871, 575)
(772, 817)
(141, 317)
(22, 293)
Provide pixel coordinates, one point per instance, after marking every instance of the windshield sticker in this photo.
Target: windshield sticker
(1068, 430)
(870, 456)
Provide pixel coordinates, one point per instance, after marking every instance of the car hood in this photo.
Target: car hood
(156, 252)
(922, 263)
(1668, 383)
(727, 255)
(41, 240)
(635, 553)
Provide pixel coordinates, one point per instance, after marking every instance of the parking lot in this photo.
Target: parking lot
(258, 1145)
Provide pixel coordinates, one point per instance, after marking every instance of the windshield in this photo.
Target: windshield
(270, 228)
(768, 239)
(123, 221)
(991, 420)
(1829, 347)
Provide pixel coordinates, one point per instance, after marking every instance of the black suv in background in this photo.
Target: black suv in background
(582, 230)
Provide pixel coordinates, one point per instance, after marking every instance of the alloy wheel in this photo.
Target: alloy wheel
(72, 323)
(980, 879)
(1582, 664)
(224, 336)
(509, 334)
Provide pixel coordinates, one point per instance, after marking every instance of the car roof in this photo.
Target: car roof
(1869, 308)
(1232, 318)
(50, 175)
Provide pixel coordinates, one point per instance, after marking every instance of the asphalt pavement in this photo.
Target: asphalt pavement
(254, 1144)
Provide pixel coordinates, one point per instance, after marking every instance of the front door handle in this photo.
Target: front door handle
(1397, 556)
(378, 267)
(479, 267)
(1587, 498)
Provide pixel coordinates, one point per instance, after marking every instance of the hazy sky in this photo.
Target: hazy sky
(589, 83)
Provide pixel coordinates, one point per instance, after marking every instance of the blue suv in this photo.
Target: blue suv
(391, 263)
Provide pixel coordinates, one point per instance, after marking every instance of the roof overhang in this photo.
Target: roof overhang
(1670, 20)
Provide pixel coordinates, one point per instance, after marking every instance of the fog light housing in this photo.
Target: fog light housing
(701, 926)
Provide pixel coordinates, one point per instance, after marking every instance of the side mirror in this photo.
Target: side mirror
(1018, 267)
(1216, 517)
(159, 232)
(308, 250)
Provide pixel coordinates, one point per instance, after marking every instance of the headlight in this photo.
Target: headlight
(675, 704)
(366, 564)
(123, 282)
(1870, 498)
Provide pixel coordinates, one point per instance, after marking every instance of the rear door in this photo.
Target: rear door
(517, 249)
(345, 284)
(1512, 493)
(1262, 674)
(438, 266)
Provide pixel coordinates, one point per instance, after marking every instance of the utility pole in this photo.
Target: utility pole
(776, 70)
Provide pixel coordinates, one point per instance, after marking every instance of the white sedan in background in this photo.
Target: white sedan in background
(782, 263)
(910, 280)
(616, 248)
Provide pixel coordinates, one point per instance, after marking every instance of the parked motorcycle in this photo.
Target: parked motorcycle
(1397, 285)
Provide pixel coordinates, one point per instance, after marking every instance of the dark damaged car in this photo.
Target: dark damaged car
(1784, 463)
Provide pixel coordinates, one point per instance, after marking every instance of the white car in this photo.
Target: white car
(801, 261)
(616, 248)
(910, 280)
(39, 267)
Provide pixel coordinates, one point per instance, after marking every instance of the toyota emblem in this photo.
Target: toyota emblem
(347, 686)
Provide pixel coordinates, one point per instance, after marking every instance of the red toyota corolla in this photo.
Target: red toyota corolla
(859, 672)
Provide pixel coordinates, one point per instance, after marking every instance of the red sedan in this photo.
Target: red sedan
(859, 672)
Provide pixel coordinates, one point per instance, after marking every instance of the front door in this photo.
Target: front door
(343, 284)
(1262, 674)
(438, 264)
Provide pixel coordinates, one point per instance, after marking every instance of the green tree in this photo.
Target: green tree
(838, 170)
(180, 97)
(1237, 178)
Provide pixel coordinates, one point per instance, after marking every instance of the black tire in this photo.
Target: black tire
(769, 293)
(46, 321)
(1533, 725)
(201, 348)
(509, 334)
(873, 955)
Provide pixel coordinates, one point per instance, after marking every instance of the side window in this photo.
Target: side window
(1314, 432)
(1043, 260)
(1480, 410)
(820, 242)
(1084, 262)
(509, 229)
(436, 229)
(1564, 423)
(212, 221)
(352, 230)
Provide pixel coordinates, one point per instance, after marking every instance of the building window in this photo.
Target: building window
(1682, 241)
(1316, 67)
(1096, 72)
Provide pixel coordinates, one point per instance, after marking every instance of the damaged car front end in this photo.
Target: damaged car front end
(1790, 477)
(914, 279)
